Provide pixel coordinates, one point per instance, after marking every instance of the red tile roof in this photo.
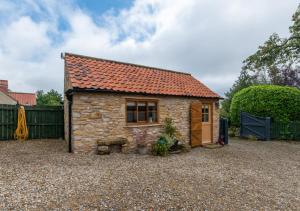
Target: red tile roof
(24, 98)
(101, 74)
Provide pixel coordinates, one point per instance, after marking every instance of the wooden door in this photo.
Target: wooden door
(206, 123)
(196, 124)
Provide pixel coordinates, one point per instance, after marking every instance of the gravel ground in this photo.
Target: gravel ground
(246, 175)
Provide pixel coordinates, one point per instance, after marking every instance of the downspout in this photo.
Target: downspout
(70, 102)
(69, 95)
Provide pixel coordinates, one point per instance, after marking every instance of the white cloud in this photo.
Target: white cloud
(25, 39)
(207, 38)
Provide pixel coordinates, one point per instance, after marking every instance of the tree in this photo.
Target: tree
(244, 80)
(51, 98)
(277, 60)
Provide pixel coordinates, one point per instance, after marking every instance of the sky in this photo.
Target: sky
(207, 38)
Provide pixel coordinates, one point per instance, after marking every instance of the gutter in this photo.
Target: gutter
(92, 90)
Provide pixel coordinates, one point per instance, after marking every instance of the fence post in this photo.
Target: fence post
(268, 128)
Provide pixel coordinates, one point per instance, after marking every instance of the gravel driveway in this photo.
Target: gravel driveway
(246, 175)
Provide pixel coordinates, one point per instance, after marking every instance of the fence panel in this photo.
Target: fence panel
(8, 121)
(285, 130)
(42, 122)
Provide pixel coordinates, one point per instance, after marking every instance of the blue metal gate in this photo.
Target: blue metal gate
(255, 126)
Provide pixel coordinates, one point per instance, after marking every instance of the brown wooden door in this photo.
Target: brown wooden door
(196, 124)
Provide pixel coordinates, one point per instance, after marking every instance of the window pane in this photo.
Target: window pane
(152, 112)
(206, 109)
(131, 106)
(130, 103)
(205, 117)
(152, 117)
(142, 111)
(131, 112)
(142, 116)
(142, 106)
(151, 106)
(131, 116)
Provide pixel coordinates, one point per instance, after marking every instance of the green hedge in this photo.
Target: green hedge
(282, 103)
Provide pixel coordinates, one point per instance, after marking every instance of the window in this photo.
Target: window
(141, 111)
(205, 113)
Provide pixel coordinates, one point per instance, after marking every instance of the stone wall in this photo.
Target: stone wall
(100, 117)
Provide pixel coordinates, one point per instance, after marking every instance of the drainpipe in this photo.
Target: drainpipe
(69, 95)
(70, 102)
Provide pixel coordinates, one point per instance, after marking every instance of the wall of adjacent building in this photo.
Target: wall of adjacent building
(100, 117)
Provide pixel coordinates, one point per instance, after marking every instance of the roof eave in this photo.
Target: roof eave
(92, 90)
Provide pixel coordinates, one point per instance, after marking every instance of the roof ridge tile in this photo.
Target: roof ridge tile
(126, 63)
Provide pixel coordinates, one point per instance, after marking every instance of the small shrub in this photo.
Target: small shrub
(160, 147)
(169, 127)
(170, 141)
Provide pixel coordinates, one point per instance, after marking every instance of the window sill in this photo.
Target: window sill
(142, 125)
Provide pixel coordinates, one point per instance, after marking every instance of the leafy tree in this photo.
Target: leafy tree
(244, 80)
(277, 60)
(51, 98)
(287, 76)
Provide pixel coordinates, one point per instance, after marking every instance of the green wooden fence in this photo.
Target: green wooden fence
(285, 130)
(42, 122)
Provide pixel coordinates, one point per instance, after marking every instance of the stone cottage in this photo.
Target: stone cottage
(107, 100)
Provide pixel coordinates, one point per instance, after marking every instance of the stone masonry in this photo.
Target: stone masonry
(100, 117)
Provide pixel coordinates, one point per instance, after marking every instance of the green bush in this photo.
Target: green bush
(282, 103)
(161, 146)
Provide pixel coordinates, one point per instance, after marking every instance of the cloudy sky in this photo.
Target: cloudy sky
(208, 38)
